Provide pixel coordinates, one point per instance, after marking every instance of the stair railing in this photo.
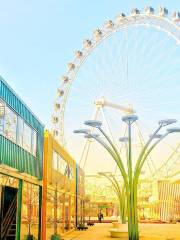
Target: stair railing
(9, 217)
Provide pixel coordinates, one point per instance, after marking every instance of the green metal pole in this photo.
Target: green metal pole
(135, 210)
(143, 156)
(124, 201)
(141, 159)
(130, 194)
(19, 207)
(40, 212)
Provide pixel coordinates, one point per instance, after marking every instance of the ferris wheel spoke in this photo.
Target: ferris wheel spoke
(149, 161)
(163, 60)
(157, 87)
(146, 51)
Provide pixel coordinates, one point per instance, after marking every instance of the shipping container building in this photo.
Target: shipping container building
(21, 164)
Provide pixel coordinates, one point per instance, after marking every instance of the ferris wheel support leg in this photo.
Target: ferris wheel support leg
(107, 124)
(142, 142)
(87, 152)
(83, 152)
(86, 147)
(165, 166)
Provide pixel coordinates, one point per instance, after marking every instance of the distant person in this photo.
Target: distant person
(100, 216)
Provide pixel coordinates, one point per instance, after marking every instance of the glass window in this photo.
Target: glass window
(34, 142)
(71, 172)
(55, 160)
(60, 165)
(20, 131)
(15, 129)
(10, 124)
(2, 116)
(68, 171)
(63, 165)
(27, 135)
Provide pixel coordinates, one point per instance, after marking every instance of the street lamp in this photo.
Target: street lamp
(173, 130)
(130, 177)
(93, 123)
(129, 119)
(155, 136)
(84, 131)
(132, 226)
(123, 139)
(91, 135)
(166, 122)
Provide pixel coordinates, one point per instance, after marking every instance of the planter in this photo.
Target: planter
(90, 223)
(56, 237)
(82, 227)
(119, 233)
(120, 225)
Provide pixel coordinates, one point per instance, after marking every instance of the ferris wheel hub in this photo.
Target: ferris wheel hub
(102, 102)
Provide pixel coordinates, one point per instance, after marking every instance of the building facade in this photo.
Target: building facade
(63, 190)
(80, 196)
(21, 161)
(169, 200)
(159, 200)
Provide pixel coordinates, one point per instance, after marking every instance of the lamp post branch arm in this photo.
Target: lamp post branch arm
(116, 152)
(138, 163)
(120, 195)
(115, 157)
(114, 183)
(143, 158)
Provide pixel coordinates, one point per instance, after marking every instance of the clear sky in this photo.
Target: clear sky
(39, 38)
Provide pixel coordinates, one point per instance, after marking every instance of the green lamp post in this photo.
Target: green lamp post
(131, 176)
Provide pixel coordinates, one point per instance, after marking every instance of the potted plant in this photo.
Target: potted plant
(82, 226)
(56, 237)
(28, 237)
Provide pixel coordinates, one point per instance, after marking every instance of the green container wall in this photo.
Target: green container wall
(10, 153)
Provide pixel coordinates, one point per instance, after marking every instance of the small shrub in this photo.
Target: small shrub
(28, 237)
(56, 237)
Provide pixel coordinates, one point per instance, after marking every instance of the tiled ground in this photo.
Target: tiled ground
(147, 232)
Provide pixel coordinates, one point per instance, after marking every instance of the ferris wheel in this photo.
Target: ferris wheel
(129, 65)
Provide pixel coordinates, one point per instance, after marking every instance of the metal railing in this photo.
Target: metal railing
(9, 217)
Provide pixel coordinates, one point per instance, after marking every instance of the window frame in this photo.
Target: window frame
(18, 116)
(63, 167)
(3, 116)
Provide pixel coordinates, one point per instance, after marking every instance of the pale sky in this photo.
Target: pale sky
(38, 38)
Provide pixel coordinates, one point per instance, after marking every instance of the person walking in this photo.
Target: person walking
(100, 216)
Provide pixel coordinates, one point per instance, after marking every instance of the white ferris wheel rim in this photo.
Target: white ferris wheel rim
(148, 19)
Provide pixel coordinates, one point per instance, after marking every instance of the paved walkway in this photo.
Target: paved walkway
(147, 232)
